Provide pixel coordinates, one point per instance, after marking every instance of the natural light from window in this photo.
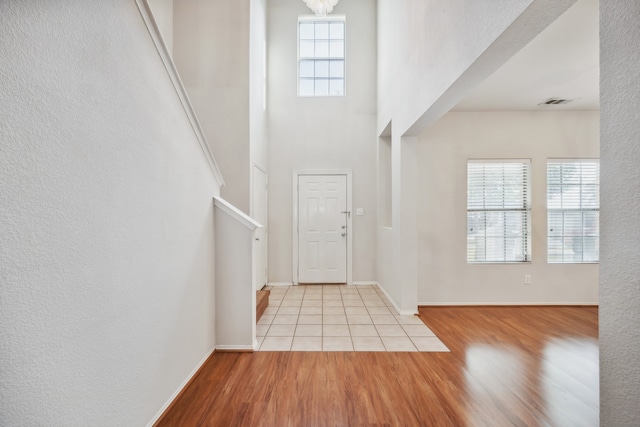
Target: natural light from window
(498, 211)
(321, 55)
(573, 211)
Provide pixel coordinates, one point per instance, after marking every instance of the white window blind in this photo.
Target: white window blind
(573, 211)
(321, 53)
(498, 211)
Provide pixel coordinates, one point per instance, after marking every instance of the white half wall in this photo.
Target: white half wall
(619, 225)
(322, 133)
(443, 151)
(235, 275)
(106, 220)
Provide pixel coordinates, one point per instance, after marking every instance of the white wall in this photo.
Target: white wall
(235, 273)
(257, 83)
(106, 223)
(322, 133)
(427, 63)
(211, 51)
(163, 14)
(430, 55)
(620, 199)
(443, 151)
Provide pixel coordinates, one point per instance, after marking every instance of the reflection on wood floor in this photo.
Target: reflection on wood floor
(508, 366)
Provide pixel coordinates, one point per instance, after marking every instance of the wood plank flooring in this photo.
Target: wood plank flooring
(508, 366)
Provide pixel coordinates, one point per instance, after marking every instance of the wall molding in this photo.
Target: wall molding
(506, 304)
(236, 213)
(167, 60)
(276, 284)
(236, 348)
(174, 397)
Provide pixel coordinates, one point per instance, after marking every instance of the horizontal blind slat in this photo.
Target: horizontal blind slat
(573, 203)
(497, 211)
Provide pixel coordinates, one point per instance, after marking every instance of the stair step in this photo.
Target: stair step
(262, 302)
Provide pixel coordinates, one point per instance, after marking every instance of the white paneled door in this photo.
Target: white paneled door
(322, 228)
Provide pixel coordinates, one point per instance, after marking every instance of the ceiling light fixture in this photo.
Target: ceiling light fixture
(321, 7)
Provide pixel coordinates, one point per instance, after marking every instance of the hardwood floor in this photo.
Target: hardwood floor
(508, 366)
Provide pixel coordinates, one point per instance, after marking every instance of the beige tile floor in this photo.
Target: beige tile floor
(339, 318)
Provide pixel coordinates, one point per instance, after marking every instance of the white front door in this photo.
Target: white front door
(322, 228)
(260, 214)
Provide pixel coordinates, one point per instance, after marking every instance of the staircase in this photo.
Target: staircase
(262, 302)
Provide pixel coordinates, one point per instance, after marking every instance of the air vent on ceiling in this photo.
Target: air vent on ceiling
(555, 101)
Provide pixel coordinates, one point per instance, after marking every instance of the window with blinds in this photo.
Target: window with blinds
(573, 211)
(498, 211)
(321, 56)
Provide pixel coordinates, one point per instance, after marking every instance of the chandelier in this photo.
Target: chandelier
(321, 7)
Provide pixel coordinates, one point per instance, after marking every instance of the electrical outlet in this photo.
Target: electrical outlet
(527, 279)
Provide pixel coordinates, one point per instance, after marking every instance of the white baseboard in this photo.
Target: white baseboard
(233, 347)
(179, 390)
(528, 303)
(365, 283)
(280, 284)
(401, 312)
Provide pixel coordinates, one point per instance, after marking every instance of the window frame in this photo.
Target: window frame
(582, 210)
(526, 230)
(331, 18)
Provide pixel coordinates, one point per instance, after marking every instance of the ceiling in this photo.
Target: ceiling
(562, 62)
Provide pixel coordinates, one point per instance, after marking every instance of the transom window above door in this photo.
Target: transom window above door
(321, 56)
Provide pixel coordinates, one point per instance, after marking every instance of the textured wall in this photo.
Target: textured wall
(106, 223)
(620, 228)
(445, 276)
(322, 133)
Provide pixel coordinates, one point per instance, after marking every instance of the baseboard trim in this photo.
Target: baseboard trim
(234, 348)
(507, 304)
(401, 312)
(365, 283)
(169, 404)
(276, 284)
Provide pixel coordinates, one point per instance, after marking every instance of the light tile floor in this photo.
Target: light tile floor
(339, 318)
